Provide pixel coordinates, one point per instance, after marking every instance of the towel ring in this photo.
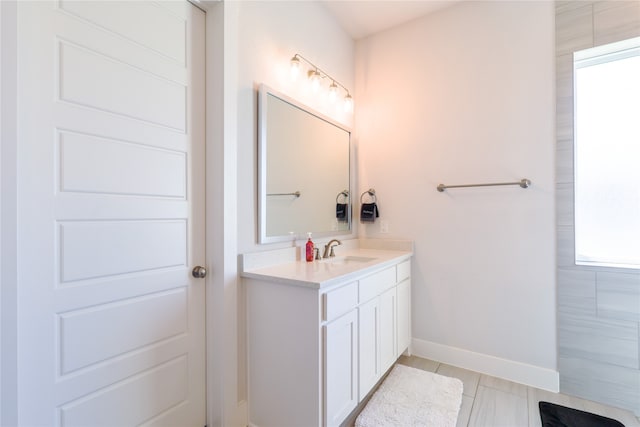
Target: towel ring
(344, 193)
(372, 193)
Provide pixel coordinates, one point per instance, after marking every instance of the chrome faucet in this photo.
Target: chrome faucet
(329, 246)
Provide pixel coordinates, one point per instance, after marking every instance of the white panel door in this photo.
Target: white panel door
(111, 214)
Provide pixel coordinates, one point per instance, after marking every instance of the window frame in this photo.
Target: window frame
(581, 59)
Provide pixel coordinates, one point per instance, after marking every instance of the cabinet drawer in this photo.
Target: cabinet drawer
(374, 285)
(404, 271)
(339, 301)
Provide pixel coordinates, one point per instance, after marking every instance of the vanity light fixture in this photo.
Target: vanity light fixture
(315, 79)
(333, 91)
(316, 75)
(348, 104)
(295, 67)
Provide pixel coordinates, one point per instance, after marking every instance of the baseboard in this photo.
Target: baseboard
(534, 376)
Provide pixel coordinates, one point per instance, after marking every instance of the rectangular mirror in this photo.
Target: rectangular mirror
(304, 172)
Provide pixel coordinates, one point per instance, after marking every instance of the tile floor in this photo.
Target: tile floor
(494, 402)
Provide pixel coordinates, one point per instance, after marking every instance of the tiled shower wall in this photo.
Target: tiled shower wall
(598, 308)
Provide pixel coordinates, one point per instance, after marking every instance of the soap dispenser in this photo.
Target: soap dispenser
(309, 249)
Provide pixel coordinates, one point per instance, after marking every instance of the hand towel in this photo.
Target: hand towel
(369, 212)
(341, 212)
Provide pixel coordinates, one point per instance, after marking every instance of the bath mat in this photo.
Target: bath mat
(553, 415)
(411, 397)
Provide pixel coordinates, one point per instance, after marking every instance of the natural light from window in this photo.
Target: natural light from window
(607, 155)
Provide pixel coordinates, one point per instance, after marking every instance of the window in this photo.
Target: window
(607, 155)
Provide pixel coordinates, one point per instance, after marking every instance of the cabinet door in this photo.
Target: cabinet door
(404, 315)
(388, 351)
(368, 344)
(340, 371)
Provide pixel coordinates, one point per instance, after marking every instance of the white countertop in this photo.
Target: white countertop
(327, 272)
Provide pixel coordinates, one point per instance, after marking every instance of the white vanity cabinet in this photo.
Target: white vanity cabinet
(369, 362)
(377, 321)
(340, 367)
(315, 349)
(389, 351)
(403, 297)
(340, 352)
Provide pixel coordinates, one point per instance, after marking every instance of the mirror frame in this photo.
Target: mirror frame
(263, 113)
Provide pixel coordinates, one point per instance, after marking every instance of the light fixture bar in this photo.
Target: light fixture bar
(315, 70)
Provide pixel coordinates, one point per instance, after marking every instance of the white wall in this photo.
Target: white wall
(1, 281)
(225, 407)
(8, 220)
(269, 34)
(466, 95)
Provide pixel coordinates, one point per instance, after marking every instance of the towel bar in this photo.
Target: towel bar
(297, 194)
(524, 183)
(372, 193)
(344, 193)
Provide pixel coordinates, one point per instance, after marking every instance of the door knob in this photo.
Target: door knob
(199, 272)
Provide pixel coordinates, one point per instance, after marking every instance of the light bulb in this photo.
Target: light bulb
(295, 67)
(314, 77)
(348, 104)
(333, 92)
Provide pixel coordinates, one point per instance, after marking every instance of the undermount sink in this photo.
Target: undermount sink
(349, 259)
